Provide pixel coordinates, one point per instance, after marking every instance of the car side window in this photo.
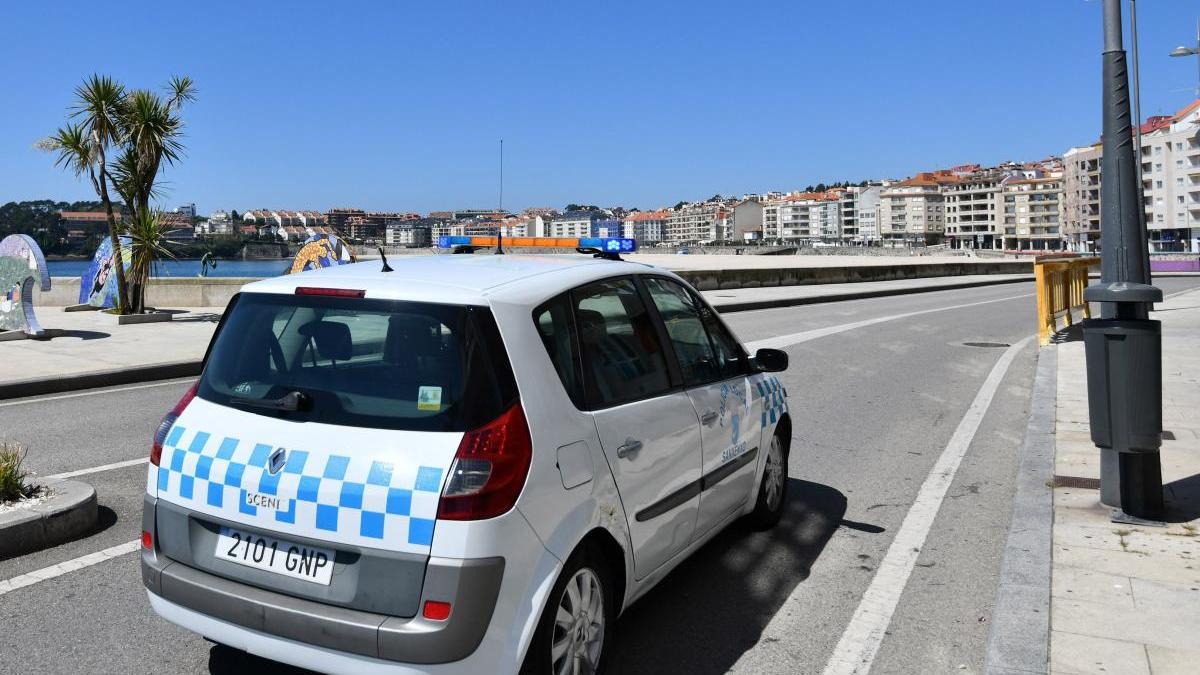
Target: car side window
(555, 326)
(623, 359)
(681, 317)
(705, 349)
(730, 357)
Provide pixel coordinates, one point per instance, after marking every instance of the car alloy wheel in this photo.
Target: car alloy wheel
(578, 638)
(773, 482)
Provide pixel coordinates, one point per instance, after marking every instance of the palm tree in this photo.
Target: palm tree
(83, 149)
(148, 234)
(150, 132)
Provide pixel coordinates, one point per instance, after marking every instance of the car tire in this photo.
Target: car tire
(586, 572)
(772, 490)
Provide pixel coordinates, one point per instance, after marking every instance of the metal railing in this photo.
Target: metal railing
(1060, 281)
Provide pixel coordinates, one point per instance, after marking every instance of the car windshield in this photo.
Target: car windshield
(358, 362)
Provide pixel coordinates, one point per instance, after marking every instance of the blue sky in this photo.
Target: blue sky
(400, 106)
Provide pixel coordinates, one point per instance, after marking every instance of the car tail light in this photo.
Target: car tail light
(331, 292)
(147, 540)
(489, 469)
(436, 611)
(168, 421)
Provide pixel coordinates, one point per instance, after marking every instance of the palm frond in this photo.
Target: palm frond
(148, 238)
(182, 90)
(98, 104)
(72, 147)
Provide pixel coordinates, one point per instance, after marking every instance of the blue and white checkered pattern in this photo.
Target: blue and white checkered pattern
(343, 498)
(774, 398)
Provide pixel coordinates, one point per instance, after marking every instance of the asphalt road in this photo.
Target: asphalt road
(874, 406)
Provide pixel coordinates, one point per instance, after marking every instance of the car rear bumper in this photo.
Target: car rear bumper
(470, 586)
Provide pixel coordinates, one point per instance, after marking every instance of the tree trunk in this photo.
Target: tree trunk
(115, 239)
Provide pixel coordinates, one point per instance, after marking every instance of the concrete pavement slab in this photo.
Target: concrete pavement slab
(1127, 598)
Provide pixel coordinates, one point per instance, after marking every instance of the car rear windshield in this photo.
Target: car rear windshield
(357, 362)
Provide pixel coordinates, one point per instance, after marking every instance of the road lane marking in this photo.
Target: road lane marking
(95, 469)
(93, 392)
(53, 571)
(781, 341)
(855, 652)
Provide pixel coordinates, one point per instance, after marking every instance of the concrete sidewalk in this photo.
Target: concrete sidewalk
(1126, 599)
(94, 351)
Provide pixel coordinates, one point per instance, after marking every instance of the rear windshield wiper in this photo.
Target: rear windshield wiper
(291, 401)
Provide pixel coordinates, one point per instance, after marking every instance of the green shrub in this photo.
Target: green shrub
(12, 478)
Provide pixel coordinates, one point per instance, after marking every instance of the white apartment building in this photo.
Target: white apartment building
(866, 215)
(912, 212)
(407, 235)
(1032, 212)
(646, 227)
(971, 207)
(708, 221)
(825, 218)
(1171, 180)
(1081, 199)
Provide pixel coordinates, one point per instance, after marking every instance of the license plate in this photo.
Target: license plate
(275, 555)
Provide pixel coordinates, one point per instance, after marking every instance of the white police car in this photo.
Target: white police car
(470, 464)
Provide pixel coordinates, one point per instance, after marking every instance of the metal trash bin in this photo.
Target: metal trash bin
(1125, 396)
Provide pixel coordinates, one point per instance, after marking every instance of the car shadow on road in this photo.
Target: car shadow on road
(709, 610)
(714, 606)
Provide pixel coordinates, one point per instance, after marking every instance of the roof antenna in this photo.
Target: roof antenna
(499, 226)
(386, 267)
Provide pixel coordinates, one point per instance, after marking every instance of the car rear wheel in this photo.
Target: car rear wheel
(772, 492)
(575, 629)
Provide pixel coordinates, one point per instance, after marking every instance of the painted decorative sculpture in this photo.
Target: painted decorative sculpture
(21, 266)
(98, 283)
(321, 250)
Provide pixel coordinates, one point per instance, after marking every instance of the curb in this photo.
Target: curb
(69, 512)
(857, 295)
(1019, 639)
(104, 378)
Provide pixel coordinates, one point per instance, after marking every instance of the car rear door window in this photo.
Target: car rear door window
(555, 325)
(623, 358)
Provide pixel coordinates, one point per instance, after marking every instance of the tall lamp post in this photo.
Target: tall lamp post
(1124, 347)
(1191, 51)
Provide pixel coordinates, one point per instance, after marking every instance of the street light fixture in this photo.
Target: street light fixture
(1190, 51)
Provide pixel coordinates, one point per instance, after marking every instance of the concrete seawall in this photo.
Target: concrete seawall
(216, 291)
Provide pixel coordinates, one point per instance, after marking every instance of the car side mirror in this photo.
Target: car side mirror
(770, 360)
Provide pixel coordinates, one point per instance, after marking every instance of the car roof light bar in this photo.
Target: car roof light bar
(603, 244)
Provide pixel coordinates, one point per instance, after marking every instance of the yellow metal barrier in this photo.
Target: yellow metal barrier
(1060, 283)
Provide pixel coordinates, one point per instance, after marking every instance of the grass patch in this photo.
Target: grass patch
(12, 477)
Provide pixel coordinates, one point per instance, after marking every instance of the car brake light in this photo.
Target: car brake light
(331, 292)
(489, 469)
(168, 421)
(147, 540)
(436, 611)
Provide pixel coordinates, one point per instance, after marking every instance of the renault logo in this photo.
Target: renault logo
(278, 459)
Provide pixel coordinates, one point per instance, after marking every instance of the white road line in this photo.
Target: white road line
(856, 651)
(781, 341)
(93, 392)
(95, 469)
(46, 573)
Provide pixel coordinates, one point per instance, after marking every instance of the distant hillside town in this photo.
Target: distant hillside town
(1048, 205)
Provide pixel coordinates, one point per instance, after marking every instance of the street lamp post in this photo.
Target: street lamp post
(1124, 347)
(1191, 51)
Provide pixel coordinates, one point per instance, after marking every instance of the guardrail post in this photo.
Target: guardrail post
(1045, 317)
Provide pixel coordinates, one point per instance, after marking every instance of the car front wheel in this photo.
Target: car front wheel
(772, 491)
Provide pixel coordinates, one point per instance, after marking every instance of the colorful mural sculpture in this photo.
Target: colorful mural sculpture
(98, 283)
(321, 250)
(21, 266)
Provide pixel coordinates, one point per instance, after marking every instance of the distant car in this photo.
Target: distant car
(471, 464)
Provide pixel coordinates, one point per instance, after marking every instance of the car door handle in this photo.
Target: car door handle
(708, 418)
(628, 448)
